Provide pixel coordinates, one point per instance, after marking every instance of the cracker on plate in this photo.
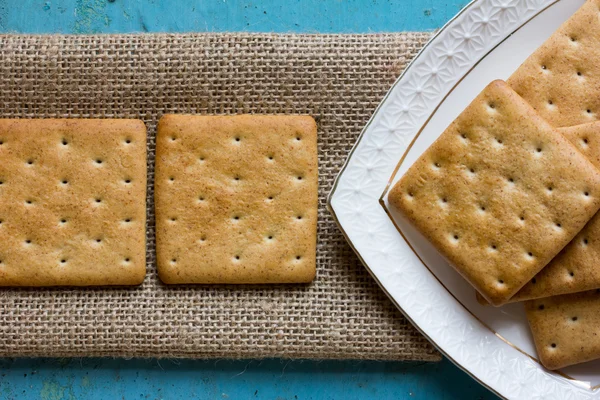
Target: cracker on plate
(561, 79)
(72, 202)
(236, 199)
(575, 268)
(499, 193)
(565, 328)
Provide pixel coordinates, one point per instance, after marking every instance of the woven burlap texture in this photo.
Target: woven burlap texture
(338, 79)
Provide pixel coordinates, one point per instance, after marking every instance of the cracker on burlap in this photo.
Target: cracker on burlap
(499, 193)
(236, 199)
(565, 328)
(72, 202)
(561, 79)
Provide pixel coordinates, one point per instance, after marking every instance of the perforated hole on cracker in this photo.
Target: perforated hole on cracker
(236, 199)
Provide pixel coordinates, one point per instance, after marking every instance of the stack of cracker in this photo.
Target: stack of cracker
(510, 192)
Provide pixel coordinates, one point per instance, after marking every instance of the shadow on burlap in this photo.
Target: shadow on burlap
(338, 79)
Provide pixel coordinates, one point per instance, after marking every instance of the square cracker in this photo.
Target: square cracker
(561, 79)
(236, 199)
(499, 193)
(72, 202)
(565, 328)
(575, 268)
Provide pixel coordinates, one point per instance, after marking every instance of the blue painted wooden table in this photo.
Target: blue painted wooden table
(54, 379)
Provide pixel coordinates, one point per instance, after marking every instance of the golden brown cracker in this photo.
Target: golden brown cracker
(561, 79)
(499, 193)
(565, 328)
(72, 202)
(236, 199)
(575, 268)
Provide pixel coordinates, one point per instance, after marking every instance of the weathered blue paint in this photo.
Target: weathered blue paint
(309, 16)
(54, 379)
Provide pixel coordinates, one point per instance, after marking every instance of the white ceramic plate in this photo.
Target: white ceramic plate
(487, 40)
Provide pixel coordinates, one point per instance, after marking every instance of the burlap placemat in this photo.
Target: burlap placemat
(339, 79)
